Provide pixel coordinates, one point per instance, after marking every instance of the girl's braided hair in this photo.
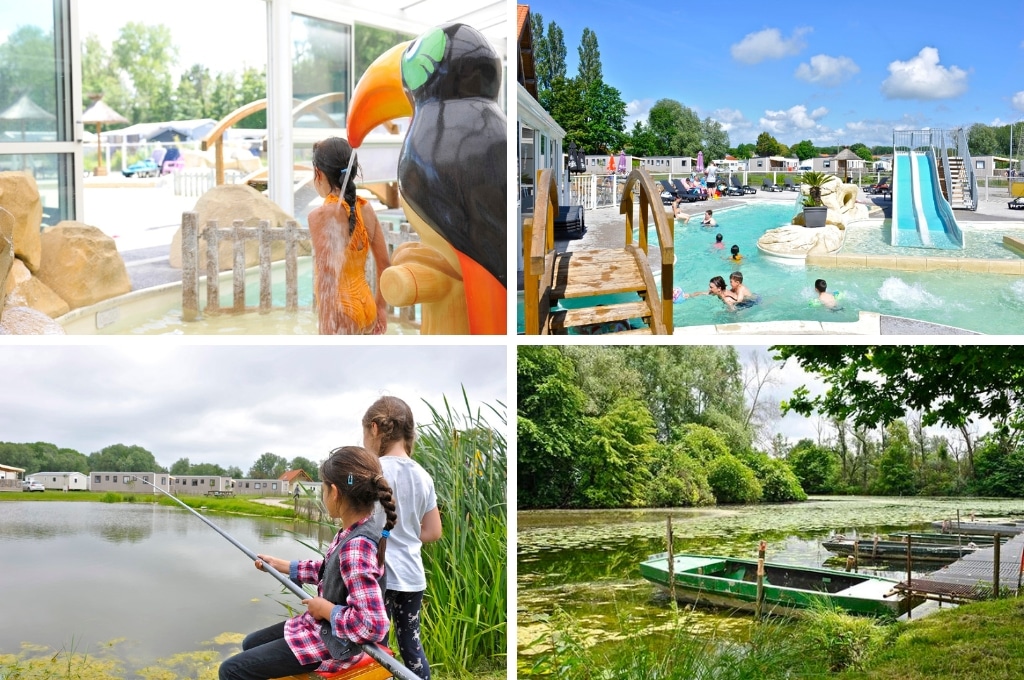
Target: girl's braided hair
(356, 474)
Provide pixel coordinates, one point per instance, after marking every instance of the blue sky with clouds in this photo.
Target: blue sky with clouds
(834, 73)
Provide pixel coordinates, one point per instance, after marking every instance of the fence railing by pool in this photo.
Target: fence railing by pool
(265, 235)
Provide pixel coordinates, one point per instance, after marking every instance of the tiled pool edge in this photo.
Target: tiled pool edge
(867, 323)
(908, 264)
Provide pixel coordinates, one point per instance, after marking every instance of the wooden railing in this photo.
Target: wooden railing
(265, 236)
(539, 240)
(650, 203)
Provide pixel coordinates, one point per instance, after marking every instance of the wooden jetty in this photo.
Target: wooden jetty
(987, 528)
(987, 572)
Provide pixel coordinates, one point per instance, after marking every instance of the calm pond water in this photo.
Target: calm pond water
(152, 580)
(584, 563)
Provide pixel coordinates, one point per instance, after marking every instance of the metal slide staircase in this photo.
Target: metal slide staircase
(576, 278)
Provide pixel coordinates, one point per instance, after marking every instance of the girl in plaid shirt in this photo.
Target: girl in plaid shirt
(350, 572)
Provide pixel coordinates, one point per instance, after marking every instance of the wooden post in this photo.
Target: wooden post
(189, 266)
(1020, 572)
(760, 581)
(238, 268)
(291, 270)
(910, 589)
(995, 569)
(265, 237)
(671, 561)
(856, 555)
(212, 267)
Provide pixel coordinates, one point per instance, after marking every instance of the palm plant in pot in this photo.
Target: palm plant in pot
(815, 211)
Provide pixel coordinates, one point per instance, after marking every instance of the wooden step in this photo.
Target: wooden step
(564, 319)
(595, 272)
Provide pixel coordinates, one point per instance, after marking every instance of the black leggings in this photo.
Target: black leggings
(265, 654)
(404, 612)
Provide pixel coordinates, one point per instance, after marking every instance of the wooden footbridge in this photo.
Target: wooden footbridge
(551, 277)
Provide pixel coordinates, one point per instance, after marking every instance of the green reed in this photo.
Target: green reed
(464, 611)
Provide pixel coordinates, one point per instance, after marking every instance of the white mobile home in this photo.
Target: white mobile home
(199, 485)
(262, 487)
(10, 478)
(125, 482)
(61, 481)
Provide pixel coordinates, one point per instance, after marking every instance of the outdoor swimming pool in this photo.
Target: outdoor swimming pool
(985, 303)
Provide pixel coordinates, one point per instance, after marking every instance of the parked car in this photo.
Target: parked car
(32, 486)
(144, 168)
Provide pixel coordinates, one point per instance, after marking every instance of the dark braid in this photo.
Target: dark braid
(330, 156)
(367, 487)
(394, 421)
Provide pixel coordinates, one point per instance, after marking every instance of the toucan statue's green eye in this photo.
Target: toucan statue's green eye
(422, 58)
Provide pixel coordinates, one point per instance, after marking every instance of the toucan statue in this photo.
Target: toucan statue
(452, 176)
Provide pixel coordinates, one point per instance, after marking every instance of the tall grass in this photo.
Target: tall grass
(464, 610)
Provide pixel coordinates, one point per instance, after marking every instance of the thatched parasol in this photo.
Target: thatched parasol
(99, 114)
(842, 162)
(25, 110)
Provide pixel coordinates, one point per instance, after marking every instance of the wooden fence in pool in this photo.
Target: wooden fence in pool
(264, 236)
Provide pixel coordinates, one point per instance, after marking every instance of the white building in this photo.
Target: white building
(61, 481)
(199, 485)
(126, 482)
(10, 478)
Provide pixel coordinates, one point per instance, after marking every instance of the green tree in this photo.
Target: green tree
(145, 54)
(732, 481)
(548, 52)
(301, 463)
(26, 68)
(615, 458)
(982, 141)
(182, 466)
(369, 42)
(745, 151)
(766, 145)
(550, 424)
(804, 149)
(778, 482)
(949, 385)
(121, 458)
(816, 468)
(677, 128)
(234, 472)
(677, 480)
(605, 118)
(862, 151)
(714, 139)
(998, 469)
(253, 87)
(268, 466)
(896, 466)
(590, 60)
(642, 141)
(191, 99)
(701, 443)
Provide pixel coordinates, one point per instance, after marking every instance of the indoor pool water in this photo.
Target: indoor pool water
(979, 302)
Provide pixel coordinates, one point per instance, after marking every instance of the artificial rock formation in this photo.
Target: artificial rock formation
(794, 240)
(28, 321)
(81, 264)
(228, 203)
(19, 195)
(28, 291)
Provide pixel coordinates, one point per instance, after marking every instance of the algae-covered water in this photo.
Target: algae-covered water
(584, 563)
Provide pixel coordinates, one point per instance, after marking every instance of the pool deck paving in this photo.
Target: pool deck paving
(606, 229)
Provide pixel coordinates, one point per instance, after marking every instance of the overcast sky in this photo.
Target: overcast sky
(229, 404)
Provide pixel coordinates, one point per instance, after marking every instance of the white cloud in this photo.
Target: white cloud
(827, 71)
(638, 109)
(768, 44)
(1018, 101)
(795, 117)
(923, 77)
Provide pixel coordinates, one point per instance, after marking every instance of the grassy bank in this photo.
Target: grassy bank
(980, 640)
(236, 505)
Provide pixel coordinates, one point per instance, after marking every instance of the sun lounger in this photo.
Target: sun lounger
(789, 186)
(734, 188)
(745, 188)
(687, 194)
(768, 185)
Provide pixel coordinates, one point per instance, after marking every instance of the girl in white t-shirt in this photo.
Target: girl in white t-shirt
(389, 430)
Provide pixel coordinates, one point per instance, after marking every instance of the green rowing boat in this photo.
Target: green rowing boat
(890, 550)
(732, 583)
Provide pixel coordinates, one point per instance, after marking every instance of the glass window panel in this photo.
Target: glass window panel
(53, 175)
(371, 42)
(31, 78)
(321, 65)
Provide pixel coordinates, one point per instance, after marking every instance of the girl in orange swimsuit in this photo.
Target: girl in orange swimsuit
(342, 239)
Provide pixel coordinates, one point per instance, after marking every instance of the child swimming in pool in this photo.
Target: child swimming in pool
(716, 287)
(742, 296)
(824, 297)
(719, 243)
(735, 254)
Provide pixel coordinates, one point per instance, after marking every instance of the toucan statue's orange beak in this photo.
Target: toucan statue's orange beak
(379, 96)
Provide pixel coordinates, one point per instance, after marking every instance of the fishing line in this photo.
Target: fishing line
(372, 650)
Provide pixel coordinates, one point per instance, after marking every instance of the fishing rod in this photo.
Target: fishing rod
(385, 660)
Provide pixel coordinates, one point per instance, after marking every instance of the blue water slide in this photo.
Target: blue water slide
(921, 216)
(904, 217)
(938, 219)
